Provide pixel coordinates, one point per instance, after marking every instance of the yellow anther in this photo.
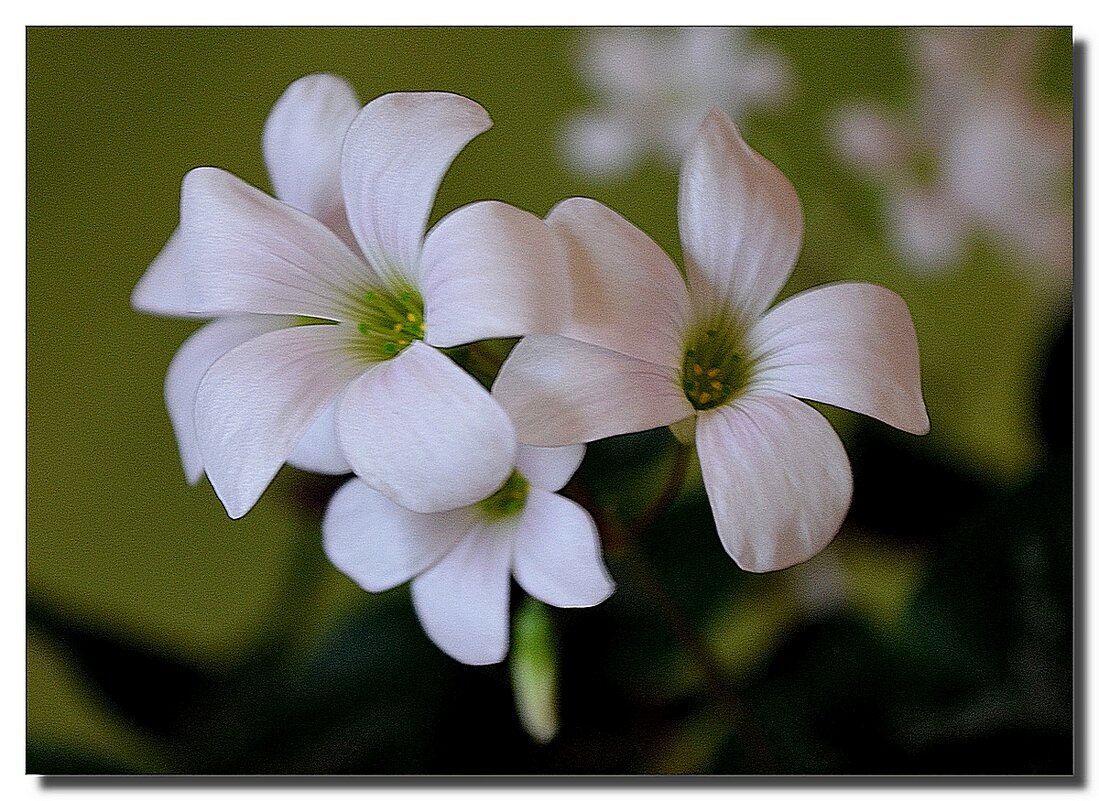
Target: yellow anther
(715, 384)
(697, 369)
(405, 342)
(397, 327)
(410, 317)
(712, 372)
(704, 397)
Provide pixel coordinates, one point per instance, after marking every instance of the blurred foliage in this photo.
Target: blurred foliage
(934, 636)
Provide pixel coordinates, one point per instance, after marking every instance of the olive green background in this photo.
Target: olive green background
(117, 543)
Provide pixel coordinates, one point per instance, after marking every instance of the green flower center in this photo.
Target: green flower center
(716, 366)
(390, 321)
(507, 501)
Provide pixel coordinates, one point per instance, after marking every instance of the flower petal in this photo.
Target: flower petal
(318, 450)
(251, 253)
(492, 270)
(167, 287)
(740, 221)
(627, 294)
(548, 468)
(423, 432)
(395, 155)
(558, 558)
(777, 476)
(190, 364)
(257, 401)
(560, 392)
(462, 601)
(302, 141)
(380, 544)
(851, 345)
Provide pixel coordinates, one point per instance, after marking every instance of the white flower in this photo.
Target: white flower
(461, 561)
(371, 389)
(653, 87)
(977, 152)
(646, 350)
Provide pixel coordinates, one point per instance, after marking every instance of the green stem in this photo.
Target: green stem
(623, 543)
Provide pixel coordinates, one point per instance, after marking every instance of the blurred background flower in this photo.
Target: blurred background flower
(652, 88)
(977, 151)
(934, 635)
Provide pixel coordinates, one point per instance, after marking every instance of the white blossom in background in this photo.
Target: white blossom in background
(653, 87)
(977, 152)
(461, 562)
(645, 349)
(367, 389)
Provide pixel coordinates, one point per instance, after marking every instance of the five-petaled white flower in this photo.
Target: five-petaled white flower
(461, 561)
(978, 152)
(653, 88)
(644, 350)
(346, 246)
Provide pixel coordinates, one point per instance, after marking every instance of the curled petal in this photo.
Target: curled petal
(257, 401)
(492, 270)
(168, 285)
(302, 141)
(190, 364)
(318, 450)
(778, 479)
(380, 544)
(628, 296)
(557, 555)
(423, 432)
(850, 345)
(395, 155)
(251, 253)
(740, 221)
(560, 392)
(462, 601)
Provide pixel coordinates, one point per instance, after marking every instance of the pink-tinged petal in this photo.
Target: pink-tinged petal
(380, 544)
(251, 253)
(628, 296)
(190, 364)
(548, 468)
(558, 558)
(491, 270)
(560, 392)
(422, 431)
(778, 479)
(395, 155)
(740, 221)
(318, 450)
(168, 286)
(302, 142)
(850, 345)
(257, 401)
(462, 601)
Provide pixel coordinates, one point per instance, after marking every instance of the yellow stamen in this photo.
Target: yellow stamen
(712, 372)
(697, 369)
(715, 384)
(704, 397)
